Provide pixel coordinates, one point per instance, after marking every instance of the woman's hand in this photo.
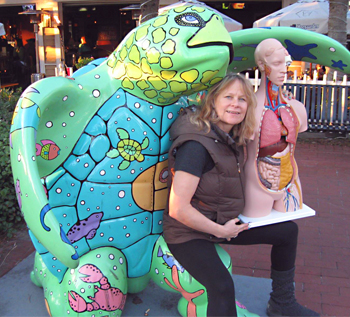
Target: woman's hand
(180, 208)
(232, 229)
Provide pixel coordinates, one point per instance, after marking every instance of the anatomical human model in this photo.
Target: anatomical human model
(271, 170)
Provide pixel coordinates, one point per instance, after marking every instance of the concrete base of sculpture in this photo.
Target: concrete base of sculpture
(276, 216)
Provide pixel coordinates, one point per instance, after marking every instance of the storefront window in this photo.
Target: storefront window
(94, 31)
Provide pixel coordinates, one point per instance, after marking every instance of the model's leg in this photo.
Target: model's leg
(200, 259)
(256, 198)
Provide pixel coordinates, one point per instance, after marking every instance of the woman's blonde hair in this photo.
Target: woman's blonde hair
(205, 114)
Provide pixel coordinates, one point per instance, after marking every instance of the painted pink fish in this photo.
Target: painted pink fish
(49, 150)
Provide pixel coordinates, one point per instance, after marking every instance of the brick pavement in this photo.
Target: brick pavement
(323, 258)
(13, 250)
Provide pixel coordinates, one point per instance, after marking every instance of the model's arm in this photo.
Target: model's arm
(182, 190)
(300, 111)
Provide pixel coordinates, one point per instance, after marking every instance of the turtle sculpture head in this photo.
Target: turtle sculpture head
(184, 50)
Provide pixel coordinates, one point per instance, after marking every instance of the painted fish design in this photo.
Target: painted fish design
(170, 260)
(49, 150)
(85, 228)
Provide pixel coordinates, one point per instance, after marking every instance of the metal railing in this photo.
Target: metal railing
(327, 103)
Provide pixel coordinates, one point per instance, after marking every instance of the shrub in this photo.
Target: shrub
(10, 213)
(83, 61)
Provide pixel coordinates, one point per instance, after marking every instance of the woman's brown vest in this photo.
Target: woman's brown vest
(219, 195)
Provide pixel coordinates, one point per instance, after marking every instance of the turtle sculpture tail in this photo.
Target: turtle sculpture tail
(302, 45)
(167, 273)
(98, 284)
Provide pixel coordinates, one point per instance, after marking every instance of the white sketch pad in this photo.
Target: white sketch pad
(277, 216)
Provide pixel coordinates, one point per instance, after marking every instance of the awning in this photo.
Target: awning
(2, 29)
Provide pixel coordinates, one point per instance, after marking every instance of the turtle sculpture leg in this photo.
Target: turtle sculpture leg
(98, 284)
(167, 273)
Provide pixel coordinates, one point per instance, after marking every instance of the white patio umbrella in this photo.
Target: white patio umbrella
(309, 15)
(2, 29)
(230, 24)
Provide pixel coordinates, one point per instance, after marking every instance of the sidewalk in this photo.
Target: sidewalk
(322, 265)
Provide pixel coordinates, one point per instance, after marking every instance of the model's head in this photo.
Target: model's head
(230, 104)
(272, 59)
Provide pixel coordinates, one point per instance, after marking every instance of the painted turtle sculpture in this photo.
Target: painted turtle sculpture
(89, 159)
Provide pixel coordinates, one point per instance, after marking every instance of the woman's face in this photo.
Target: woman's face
(231, 106)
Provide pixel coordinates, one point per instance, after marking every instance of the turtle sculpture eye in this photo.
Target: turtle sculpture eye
(190, 19)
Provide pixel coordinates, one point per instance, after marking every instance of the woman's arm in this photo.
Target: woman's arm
(182, 190)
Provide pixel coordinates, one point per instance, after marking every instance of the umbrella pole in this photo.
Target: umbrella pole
(36, 27)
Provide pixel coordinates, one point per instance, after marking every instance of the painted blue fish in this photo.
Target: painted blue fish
(85, 228)
(170, 260)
